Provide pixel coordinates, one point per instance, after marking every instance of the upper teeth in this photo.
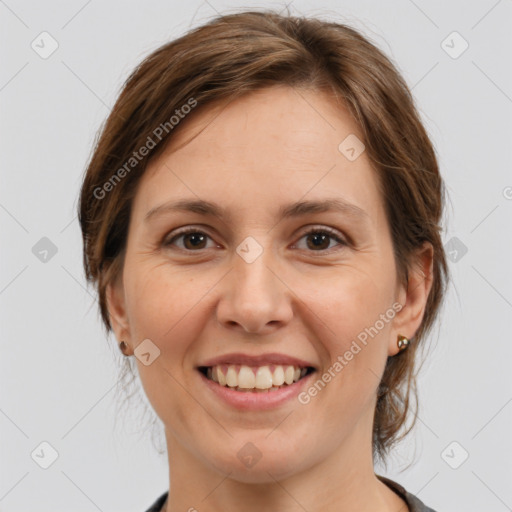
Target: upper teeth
(261, 377)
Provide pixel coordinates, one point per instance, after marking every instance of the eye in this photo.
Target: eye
(192, 238)
(319, 239)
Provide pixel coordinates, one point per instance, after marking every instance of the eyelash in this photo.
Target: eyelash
(314, 231)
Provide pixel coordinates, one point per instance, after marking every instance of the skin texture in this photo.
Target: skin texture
(255, 154)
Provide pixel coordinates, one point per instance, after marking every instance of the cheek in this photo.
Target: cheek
(165, 306)
(356, 309)
(349, 299)
(162, 301)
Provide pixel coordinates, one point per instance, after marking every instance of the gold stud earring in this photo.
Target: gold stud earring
(402, 342)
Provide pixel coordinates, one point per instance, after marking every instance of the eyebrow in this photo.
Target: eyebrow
(297, 209)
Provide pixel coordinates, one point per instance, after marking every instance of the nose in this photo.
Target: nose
(254, 297)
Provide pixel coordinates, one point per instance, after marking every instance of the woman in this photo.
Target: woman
(261, 218)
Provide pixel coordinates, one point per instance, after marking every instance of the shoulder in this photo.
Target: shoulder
(158, 504)
(414, 503)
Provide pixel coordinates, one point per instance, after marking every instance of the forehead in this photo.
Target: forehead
(274, 144)
(293, 121)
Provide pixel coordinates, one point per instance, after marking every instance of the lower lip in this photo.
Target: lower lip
(254, 400)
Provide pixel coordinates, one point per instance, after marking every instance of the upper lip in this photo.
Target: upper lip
(259, 360)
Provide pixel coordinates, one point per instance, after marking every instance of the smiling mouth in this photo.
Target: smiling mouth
(255, 379)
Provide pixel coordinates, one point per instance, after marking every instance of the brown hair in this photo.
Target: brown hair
(238, 53)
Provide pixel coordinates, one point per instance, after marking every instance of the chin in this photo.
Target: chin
(250, 465)
(259, 474)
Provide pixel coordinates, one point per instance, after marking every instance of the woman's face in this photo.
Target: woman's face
(255, 282)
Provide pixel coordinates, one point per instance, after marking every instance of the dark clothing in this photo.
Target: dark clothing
(158, 503)
(414, 504)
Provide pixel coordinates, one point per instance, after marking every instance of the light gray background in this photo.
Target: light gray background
(58, 372)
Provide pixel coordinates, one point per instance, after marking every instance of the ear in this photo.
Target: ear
(413, 297)
(116, 305)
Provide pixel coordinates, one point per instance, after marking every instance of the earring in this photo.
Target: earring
(402, 342)
(123, 346)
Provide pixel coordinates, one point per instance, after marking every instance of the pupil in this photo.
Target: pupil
(321, 238)
(197, 237)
